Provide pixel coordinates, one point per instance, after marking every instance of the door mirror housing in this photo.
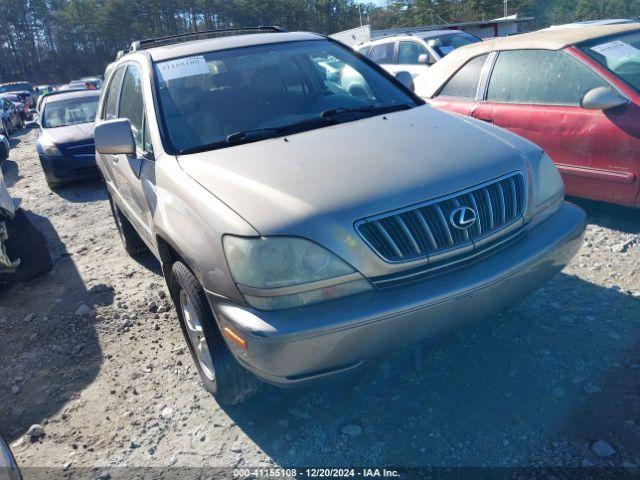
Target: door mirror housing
(405, 78)
(114, 137)
(602, 98)
(424, 59)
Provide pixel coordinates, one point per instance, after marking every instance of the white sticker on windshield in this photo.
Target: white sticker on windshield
(183, 67)
(616, 50)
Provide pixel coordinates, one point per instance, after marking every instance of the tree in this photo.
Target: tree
(57, 40)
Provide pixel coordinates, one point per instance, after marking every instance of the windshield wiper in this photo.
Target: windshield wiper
(261, 133)
(327, 117)
(369, 109)
(251, 134)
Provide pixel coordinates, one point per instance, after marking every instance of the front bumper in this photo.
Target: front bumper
(296, 346)
(64, 169)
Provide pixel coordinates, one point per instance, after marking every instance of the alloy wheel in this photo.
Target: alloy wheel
(196, 335)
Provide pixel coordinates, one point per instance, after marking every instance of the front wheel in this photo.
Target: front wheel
(220, 372)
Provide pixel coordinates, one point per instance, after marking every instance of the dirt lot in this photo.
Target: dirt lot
(93, 353)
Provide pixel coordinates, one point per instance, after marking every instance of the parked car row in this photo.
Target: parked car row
(311, 211)
(85, 83)
(11, 118)
(16, 106)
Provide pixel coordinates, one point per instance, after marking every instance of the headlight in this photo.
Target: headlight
(49, 149)
(550, 187)
(285, 272)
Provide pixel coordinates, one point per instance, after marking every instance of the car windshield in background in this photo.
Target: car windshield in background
(15, 87)
(445, 44)
(70, 111)
(239, 95)
(620, 54)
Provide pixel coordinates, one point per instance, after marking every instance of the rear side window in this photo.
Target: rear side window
(111, 103)
(464, 84)
(540, 77)
(409, 53)
(382, 53)
(364, 50)
(132, 104)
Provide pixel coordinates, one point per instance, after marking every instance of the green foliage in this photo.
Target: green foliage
(57, 40)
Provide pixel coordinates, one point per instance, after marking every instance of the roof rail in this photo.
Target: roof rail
(187, 37)
(394, 34)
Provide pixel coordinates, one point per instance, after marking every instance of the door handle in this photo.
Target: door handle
(485, 117)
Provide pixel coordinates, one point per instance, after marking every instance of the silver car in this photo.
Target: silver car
(304, 229)
(414, 52)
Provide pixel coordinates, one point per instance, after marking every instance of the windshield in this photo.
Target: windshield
(205, 99)
(620, 54)
(445, 44)
(70, 111)
(15, 87)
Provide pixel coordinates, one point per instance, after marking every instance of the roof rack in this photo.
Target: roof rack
(187, 37)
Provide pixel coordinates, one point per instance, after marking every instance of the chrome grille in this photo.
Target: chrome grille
(426, 229)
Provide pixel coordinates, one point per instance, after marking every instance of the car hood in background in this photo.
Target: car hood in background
(316, 184)
(70, 133)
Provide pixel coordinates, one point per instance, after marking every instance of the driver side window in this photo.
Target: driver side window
(542, 77)
(111, 103)
(409, 53)
(132, 103)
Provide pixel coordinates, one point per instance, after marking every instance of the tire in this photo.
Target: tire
(28, 244)
(221, 374)
(131, 241)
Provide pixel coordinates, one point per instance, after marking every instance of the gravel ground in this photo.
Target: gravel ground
(92, 352)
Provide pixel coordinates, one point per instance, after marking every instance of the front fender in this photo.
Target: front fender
(193, 221)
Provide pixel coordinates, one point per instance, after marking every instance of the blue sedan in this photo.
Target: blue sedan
(65, 141)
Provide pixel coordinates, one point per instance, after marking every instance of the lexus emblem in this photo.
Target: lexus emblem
(463, 218)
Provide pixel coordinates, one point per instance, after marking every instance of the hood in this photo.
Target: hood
(316, 184)
(70, 133)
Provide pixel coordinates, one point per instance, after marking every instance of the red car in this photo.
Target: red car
(575, 92)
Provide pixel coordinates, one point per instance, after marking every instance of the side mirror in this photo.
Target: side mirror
(405, 78)
(423, 58)
(114, 137)
(602, 98)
